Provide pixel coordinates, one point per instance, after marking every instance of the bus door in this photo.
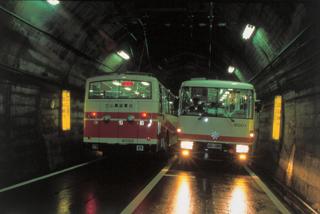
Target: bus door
(128, 124)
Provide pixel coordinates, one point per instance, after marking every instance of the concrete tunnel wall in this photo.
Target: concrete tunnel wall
(34, 69)
(295, 76)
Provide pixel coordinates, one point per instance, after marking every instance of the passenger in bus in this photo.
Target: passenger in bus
(216, 109)
(197, 105)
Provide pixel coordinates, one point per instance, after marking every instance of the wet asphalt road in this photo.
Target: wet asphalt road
(109, 185)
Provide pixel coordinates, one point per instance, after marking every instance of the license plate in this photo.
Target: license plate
(214, 146)
(139, 148)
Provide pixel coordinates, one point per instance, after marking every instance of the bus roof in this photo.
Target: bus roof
(117, 76)
(217, 84)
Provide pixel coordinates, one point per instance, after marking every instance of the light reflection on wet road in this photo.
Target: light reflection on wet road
(207, 188)
(108, 186)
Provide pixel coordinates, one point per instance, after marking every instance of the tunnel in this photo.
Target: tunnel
(50, 48)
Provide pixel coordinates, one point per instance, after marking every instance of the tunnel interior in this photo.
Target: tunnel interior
(46, 49)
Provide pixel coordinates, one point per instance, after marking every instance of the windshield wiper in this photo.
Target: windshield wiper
(232, 120)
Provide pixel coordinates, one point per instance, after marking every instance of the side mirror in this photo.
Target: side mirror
(258, 106)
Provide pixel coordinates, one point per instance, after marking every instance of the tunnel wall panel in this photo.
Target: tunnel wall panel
(295, 158)
(32, 142)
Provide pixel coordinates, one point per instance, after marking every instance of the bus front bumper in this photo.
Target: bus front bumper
(216, 152)
(120, 148)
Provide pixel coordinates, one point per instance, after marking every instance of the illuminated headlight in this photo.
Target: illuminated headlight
(186, 144)
(242, 148)
(251, 134)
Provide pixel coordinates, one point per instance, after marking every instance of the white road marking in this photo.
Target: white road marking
(269, 193)
(177, 175)
(143, 194)
(47, 176)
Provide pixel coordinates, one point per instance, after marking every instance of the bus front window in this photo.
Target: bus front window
(217, 102)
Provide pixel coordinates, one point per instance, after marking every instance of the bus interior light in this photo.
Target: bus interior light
(186, 145)
(179, 130)
(242, 148)
(116, 83)
(145, 83)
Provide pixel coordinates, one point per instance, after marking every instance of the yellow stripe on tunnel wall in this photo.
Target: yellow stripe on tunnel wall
(277, 118)
(66, 124)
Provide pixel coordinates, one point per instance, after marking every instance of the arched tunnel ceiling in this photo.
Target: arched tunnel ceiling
(84, 36)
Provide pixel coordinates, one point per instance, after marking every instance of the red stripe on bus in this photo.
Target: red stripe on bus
(221, 138)
(112, 129)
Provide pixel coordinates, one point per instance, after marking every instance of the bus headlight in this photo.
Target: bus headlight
(186, 145)
(251, 134)
(242, 148)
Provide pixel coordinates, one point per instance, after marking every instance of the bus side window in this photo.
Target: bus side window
(165, 102)
(171, 104)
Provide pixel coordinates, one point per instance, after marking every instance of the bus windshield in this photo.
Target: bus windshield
(217, 102)
(120, 89)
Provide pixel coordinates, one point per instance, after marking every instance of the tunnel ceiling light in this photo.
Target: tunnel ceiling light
(53, 2)
(248, 31)
(231, 69)
(123, 55)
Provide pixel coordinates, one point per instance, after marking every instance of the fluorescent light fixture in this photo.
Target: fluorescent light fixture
(231, 69)
(137, 92)
(53, 2)
(117, 83)
(248, 31)
(145, 83)
(127, 88)
(123, 55)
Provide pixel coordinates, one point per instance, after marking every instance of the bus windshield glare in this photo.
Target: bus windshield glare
(217, 102)
(120, 89)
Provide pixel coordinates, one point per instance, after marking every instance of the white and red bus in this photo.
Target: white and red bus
(216, 119)
(129, 110)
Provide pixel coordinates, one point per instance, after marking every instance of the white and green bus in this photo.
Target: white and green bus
(215, 119)
(131, 111)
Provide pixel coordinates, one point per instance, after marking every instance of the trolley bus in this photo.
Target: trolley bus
(131, 111)
(215, 119)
